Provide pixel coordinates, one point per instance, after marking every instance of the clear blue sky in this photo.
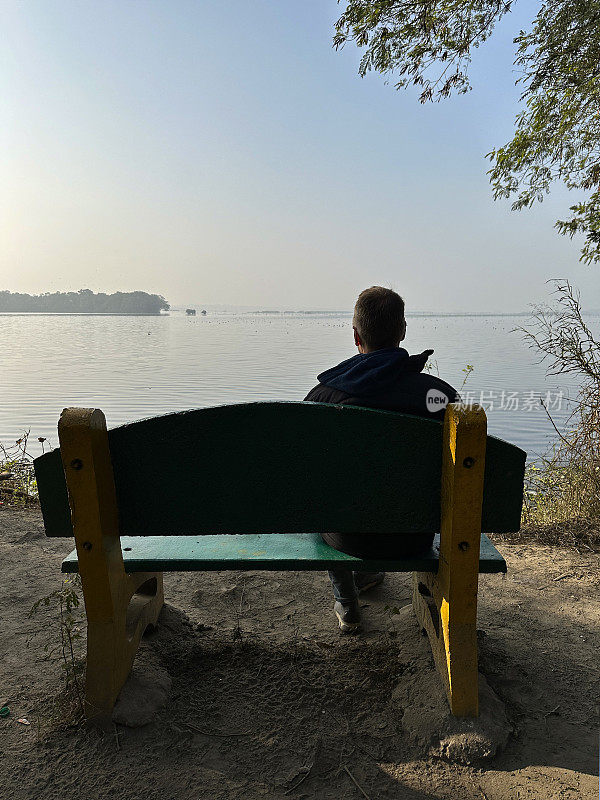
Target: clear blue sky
(225, 153)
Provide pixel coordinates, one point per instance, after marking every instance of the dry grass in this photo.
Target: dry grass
(562, 491)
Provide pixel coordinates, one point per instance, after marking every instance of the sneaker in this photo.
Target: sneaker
(367, 580)
(348, 617)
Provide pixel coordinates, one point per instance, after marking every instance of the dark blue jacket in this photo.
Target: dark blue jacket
(389, 379)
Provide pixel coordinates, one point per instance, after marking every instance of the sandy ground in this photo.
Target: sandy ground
(269, 700)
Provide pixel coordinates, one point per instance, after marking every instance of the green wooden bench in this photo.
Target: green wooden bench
(252, 486)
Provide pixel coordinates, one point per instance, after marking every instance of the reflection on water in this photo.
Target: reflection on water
(134, 367)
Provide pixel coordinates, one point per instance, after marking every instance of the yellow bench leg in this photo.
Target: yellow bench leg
(446, 603)
(119, 607)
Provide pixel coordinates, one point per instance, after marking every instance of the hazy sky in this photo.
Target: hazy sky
(225, 153)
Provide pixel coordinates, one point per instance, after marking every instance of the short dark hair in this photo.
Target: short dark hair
(379, 318)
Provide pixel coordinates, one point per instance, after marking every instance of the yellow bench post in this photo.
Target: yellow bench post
(446, 603)
(119, 607)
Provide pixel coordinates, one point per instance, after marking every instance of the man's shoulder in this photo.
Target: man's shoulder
(415, 393)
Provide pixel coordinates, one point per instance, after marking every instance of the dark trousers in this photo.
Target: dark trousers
(344, 588)
(385, 545)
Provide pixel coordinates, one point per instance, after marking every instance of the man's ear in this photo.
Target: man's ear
(356, 337)
(403, 336)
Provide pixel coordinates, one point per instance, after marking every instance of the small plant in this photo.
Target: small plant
(467, 371)
(66, 604)
(392, 611)
(563, 489)
(17, 477)
(430, 366)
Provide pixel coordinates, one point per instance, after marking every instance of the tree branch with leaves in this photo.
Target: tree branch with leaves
(429, 44)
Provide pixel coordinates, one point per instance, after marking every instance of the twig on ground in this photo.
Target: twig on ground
(343, 719)
(479, 789)
(368, 753)
(283, 605)
(302, 779)
(550, 713)
(220, 734)
(560, 578)
(356, 783)
(237, 631)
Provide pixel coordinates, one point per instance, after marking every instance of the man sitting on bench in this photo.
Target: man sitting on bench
(383, 375)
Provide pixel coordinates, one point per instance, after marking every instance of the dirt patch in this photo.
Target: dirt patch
(267, 699)
(146, 691)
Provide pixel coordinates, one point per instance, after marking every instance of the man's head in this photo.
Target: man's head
(378, 319)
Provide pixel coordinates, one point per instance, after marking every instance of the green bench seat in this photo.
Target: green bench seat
(273, 551)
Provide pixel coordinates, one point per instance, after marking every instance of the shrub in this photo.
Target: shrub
(563, 490)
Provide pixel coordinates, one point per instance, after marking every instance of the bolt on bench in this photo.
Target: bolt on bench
(251, 487)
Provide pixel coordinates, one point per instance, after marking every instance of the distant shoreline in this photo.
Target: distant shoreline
(80, 314)
(84, 302)
(244, 313)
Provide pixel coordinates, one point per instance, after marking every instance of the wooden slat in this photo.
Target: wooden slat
(275, 551)
(284, 467)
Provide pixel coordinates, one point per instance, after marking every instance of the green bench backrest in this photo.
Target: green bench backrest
(286, 468)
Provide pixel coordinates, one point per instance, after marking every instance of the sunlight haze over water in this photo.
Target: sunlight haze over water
(135, 367)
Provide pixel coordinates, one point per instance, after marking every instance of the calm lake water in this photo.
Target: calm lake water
(135, 367)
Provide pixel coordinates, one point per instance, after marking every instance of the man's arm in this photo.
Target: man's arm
(325, 394)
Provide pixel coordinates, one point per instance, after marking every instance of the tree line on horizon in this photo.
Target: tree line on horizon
(84, 302)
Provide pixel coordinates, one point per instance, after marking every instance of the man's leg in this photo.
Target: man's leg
(344, 589)
(367, 580)
(346, 599)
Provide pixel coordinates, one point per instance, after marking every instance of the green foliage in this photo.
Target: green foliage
(17, 477)
(392, 611)
(467, 371)
(559, 493)
(65, 605)
(429, 43)
(557, 135)
(84, 302)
